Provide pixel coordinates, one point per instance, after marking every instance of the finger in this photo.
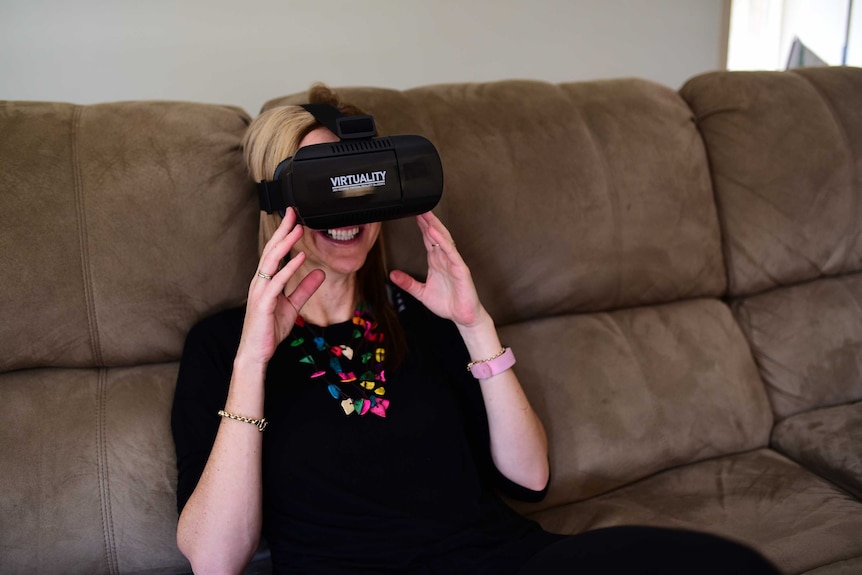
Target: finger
(284, 227)
(274, 284)
(434, 223)
(423, 228)
(306, 288)
(287, 223)
(275, 251)
(407, 283)
(435, 233)
(279, 281)
(427, 218)
(431, 243)
(443, 244)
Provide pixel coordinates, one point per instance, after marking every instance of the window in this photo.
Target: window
(779, 34)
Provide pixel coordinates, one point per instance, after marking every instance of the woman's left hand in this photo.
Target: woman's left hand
(448, 291)
(519, 446)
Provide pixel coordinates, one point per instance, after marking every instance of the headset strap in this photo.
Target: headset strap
(343, 126)
(325, 114)
(270, 197)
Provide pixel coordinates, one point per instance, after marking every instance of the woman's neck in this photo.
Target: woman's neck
(334, 302)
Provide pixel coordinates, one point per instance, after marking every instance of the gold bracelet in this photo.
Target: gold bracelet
(260, 423)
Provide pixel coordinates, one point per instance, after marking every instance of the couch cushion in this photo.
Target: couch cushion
(786, 157)
(795, 518)
(827, 441)
(846, 567)
(562, 198)
(89, 473)
(627, 394)
(120, 226)
(807, 340)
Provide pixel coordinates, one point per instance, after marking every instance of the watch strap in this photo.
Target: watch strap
(483, 369)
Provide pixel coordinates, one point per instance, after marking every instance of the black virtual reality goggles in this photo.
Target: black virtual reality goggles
(360, 179)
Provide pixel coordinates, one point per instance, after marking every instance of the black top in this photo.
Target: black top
(414, 492)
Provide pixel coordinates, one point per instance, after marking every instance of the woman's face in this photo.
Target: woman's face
(339, 251)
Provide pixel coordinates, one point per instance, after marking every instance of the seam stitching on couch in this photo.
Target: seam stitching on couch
(613, 196)
(721, 220)
(83, 239)
(104, 475)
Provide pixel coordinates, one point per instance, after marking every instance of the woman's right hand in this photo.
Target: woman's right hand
(270, 311)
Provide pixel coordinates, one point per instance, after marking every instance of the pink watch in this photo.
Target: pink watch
(485, 368)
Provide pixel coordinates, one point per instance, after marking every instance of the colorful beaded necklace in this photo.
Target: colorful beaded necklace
(338, 365)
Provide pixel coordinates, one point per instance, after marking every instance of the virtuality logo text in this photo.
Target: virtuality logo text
(356, 181)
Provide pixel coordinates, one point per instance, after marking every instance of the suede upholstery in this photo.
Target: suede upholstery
(677, 272)
(121, 225)
(800, 222)
(827, 441)
(96, 199)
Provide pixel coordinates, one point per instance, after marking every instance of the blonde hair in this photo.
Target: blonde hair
(275, 136)
(272, 137)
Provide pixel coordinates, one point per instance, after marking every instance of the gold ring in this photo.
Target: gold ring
(263, 275)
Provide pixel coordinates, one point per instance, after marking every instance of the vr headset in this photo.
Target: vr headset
(360, 179)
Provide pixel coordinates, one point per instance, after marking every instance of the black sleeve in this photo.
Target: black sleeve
(451, 352)
(202, 386)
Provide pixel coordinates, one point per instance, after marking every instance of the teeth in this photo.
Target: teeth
(343, 234)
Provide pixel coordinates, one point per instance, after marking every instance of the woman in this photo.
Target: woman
(381, 452)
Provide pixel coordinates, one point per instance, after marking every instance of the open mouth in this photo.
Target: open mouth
(343, 234)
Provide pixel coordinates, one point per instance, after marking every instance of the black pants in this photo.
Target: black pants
(646, 551)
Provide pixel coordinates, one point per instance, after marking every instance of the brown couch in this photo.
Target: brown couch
(678, 273)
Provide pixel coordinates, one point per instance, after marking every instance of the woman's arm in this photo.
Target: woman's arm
(219, 527)
(519, 445)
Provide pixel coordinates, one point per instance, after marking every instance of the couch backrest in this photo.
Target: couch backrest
(786, 157)
(586, 213)
(121, 225)
(567, 198)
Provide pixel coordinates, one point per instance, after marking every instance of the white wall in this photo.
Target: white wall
(244, 52)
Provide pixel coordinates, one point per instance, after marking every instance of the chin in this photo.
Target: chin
(344, 250)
